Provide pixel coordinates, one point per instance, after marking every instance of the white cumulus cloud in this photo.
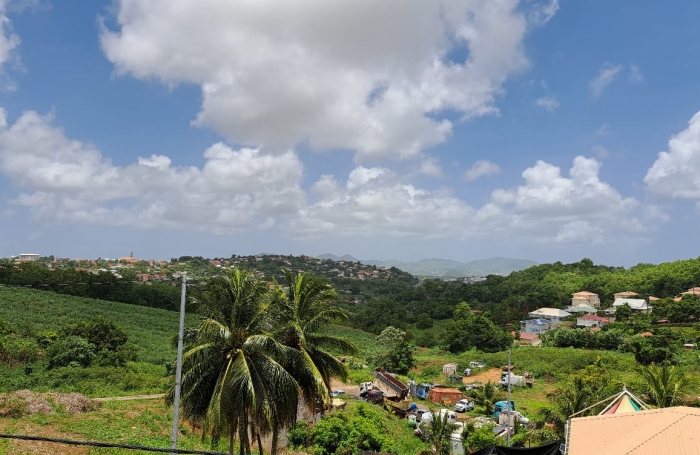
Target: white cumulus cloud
(480, 169)
(67, 180)
(372, 77)
(606, 76)
(676, 172)
(375, 202)
(550, 205)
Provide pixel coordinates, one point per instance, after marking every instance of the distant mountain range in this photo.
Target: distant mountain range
(445, 267)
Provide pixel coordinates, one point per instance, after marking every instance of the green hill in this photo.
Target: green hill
(30, 311)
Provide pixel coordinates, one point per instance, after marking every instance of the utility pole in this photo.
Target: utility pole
(178, 369)
(510, 412)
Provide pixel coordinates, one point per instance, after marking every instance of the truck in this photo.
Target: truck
(515, 380)
(392, 388)
(464, 405)
(501, 406)
(399, 408)
(423, 390)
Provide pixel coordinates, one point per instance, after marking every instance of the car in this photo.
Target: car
(338, 392)
(464, 405)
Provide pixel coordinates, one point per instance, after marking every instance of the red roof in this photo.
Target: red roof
(593, 317)
(529, 336)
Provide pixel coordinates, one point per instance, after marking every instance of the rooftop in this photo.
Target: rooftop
(593, 317)
(667, 430)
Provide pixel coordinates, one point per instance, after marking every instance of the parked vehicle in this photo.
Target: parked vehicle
(375, 396)
(428, 416)
(516, 416)
(474, 364)
(422, 391)
(501, 406)
(387, 383)
(364, 388)
(467, 372)
(464, 405)
(336, 393)
(513, 379)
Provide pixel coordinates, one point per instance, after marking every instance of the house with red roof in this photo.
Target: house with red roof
(591, 320)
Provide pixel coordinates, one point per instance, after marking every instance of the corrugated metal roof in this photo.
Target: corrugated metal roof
(670, 430)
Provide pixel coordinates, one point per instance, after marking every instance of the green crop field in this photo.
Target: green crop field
(30, 311)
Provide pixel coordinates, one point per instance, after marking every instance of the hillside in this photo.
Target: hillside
(445, 267)
(31, 311)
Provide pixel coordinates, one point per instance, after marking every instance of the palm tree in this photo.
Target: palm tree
(666, 385)
(487, 395)
(233, 379)
(437, 431)
(300, 312)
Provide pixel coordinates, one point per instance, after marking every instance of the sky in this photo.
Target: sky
(550, 130)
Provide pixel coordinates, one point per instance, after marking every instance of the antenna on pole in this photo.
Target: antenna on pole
(178, 369)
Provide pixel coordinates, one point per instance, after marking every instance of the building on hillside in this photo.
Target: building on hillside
(653, 299)
(625, 295)
(536, 326)
(585, 298)
(29, 257)
(640, 305)
(591, 320)
(582, 309)
(530, 339)
(554, 314)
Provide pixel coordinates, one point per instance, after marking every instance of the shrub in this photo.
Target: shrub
(71, 351)
(299, 435)
(46, 338)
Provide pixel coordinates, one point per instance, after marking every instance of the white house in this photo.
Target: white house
(582, 309)
(634, 304)
(549, 313)
(536, 326)
(26, 257)
(591, 320)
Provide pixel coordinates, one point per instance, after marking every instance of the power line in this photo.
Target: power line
(107, 445)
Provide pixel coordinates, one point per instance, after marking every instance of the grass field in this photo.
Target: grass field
(145, 423)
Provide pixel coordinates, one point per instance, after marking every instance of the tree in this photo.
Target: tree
(437, 432)
(398, 353)
(301, 312)
(424, 321)
(467, 331)
(665, 385)
(487, 395)
(233, 380)
(623, 313)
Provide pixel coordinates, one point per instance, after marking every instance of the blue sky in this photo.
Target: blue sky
(542, 129)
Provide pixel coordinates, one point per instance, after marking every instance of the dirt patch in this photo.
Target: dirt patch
(25, 402)
(349, 389)
(492, 374)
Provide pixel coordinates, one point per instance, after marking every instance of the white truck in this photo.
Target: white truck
(464, 405)
(513, 379)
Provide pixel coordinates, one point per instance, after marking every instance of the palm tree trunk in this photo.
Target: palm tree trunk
(231, 439)
(260, 447)
(275, 438)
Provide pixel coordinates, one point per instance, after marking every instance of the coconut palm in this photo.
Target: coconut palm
(300, 311)
(233, 379)
(438, 431)
(487, 395)
(666, 385)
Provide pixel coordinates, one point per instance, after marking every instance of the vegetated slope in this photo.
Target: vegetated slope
(30, 311)
(445, 267)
